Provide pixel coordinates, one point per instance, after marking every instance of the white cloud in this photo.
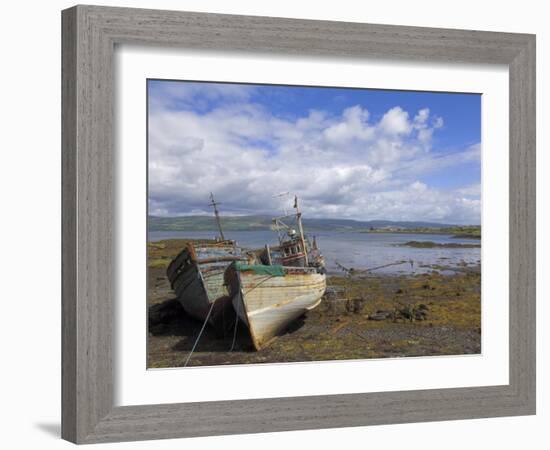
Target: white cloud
(341, 166)
(421, 117)
(438, 122)
(352, 126)
(395, 122)
(425, 135)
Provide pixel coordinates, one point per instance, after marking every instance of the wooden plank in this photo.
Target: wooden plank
(176, 264)
(271, 303)
(184, 279)
(88, 187)
(69, 228)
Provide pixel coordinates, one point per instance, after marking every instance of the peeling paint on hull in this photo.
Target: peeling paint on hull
(197, 285)
(268, 304)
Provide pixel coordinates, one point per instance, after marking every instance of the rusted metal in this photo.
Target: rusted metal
(191, 250)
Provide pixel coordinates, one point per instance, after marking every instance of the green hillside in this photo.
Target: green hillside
(255, 223)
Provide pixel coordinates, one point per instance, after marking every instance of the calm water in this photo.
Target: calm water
(358, 250)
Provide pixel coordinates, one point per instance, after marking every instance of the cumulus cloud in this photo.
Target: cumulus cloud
(341, 164)
(352, 126)
(395, 122)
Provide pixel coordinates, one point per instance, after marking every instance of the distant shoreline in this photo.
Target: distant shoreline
(427, 231)
(264, 223)
(430, 244)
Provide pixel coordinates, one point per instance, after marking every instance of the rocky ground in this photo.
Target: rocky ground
(369, 317)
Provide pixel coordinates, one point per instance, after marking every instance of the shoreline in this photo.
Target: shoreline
(371, 316)
(412, 231)
(431, 244)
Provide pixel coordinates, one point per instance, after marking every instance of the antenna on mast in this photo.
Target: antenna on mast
(280, 195)
(214, 204)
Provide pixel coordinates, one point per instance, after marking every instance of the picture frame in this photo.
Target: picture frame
(89, 37)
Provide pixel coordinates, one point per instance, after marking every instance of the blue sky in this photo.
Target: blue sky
(348, 153)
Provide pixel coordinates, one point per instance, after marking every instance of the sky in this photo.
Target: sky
(358, 154)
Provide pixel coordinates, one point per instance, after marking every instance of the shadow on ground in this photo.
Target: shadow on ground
(53, 429)
(169, 319)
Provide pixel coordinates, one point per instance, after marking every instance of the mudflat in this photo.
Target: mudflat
(372, 316)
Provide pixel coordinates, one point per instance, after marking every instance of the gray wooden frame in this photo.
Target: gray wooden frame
(89, 36)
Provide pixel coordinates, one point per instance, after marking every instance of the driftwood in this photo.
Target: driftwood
(338, 327)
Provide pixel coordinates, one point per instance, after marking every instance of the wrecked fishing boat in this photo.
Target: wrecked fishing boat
(268, 298)
(287, 281)
(196, 275)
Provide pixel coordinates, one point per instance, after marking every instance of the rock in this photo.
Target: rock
(378, 316)
(420, 315)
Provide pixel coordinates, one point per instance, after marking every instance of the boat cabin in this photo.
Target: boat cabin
(293, 253)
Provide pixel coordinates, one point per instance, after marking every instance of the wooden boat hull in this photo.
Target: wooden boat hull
(197, 277)
(268, 304)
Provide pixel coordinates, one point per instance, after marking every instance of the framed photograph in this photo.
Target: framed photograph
(265, 258)
(278, 224)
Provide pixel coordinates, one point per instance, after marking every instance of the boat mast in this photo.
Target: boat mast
(276, 220)
(301, 229)
(217, 214)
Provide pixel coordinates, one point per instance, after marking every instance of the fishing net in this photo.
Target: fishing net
(274, 271)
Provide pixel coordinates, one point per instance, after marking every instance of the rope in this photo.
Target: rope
(385, 265)
(200, 334)
(211, 273)
(239, 309)
(235, 328)
(351, 271)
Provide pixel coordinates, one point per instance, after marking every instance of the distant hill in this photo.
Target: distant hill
(252, 223)
(208, 223)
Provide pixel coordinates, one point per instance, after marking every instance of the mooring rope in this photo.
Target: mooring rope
(200, 333)
(239, 309)
(352, 271)
(235, 328)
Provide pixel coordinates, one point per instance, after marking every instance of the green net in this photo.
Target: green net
(274, 271)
